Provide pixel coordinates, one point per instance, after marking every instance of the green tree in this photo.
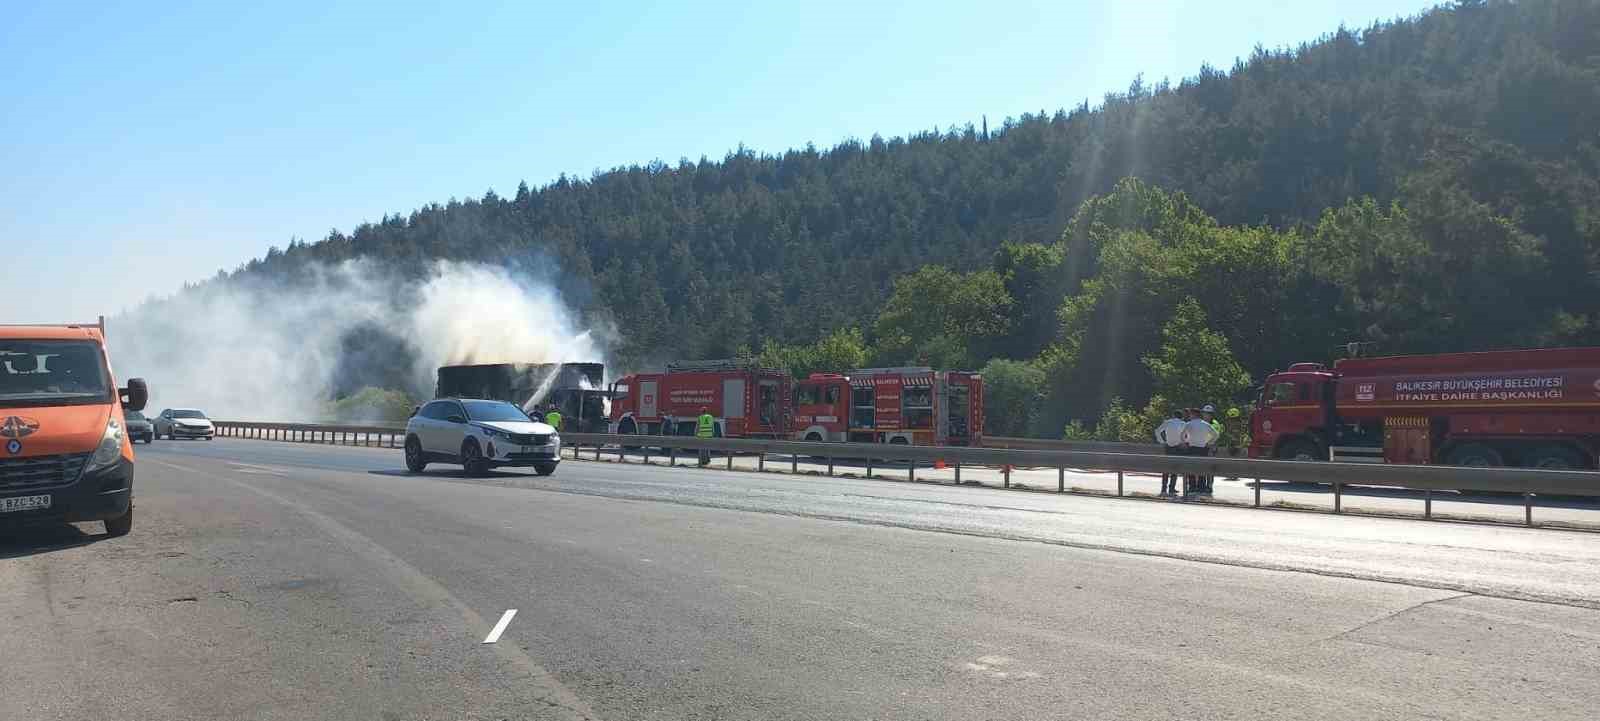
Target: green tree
(372, 404)
(838, 352)
(1012, 394)
(1194, 366)
(941, 318)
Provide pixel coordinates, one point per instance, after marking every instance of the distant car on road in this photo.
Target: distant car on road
(175, 423)
(479, 435)
(139, 427)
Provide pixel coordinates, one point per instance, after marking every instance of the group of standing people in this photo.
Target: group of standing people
(1189, 432)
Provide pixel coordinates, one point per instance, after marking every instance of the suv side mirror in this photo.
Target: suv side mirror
(456, 419)
(135, 395)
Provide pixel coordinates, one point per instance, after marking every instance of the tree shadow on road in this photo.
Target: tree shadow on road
(36, 540)
(1509, 499)
(454, 474)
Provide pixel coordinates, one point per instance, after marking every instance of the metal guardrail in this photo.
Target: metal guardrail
(380, 435)
(1527, 482)
(1046, 444)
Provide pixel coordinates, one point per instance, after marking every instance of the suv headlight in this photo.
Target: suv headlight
(492, 433)
(110, 448)
(555, 439)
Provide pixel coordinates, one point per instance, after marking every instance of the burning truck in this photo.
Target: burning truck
(574, 388)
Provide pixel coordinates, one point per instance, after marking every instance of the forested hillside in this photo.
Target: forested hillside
(1427, 184)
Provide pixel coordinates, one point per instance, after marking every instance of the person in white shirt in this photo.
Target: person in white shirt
(1170, 435)
(1200, 435)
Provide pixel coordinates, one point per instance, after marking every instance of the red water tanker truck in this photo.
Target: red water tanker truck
(1529, 408)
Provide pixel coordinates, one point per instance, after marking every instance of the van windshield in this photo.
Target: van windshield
(52, 372)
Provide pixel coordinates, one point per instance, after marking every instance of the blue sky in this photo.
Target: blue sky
(146, 146)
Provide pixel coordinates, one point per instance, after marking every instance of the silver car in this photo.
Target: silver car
(479, 435)
(175, 423)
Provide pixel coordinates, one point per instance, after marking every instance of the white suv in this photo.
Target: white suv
(479, 435)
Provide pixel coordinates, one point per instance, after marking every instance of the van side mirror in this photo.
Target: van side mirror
(135, 395)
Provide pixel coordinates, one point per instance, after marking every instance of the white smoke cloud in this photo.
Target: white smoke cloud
(267, 351)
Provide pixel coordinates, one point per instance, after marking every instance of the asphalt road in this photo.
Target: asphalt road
(279, 581)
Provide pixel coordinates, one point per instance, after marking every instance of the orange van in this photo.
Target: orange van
(65, 454)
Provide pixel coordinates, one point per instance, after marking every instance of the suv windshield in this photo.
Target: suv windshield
(188, 414)
(52, 372)
(493, 411)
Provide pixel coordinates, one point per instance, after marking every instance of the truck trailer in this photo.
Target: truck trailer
(1535, 408)
(575, 388)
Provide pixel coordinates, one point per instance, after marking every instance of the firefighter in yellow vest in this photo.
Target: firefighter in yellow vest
(706, 427)
(553, 417)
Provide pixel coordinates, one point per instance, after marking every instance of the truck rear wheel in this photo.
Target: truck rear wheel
(1300, 450)
(1475, 454)
(1555, 458)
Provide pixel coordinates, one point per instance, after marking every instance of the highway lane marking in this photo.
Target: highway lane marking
(424, 591)
(259, 470)
(499, 628)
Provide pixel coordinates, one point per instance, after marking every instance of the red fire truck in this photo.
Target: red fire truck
(747, 401)
(916, 406)
(1529, 408)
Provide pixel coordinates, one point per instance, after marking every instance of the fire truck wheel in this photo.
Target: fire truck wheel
(1300, 450)
(1555, 458)
(628, 428)
(813, 437)
(1474, 454)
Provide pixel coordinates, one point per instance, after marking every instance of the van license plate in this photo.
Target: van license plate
(24, 503)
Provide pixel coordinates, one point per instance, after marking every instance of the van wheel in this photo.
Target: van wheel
(414, 460)
(1475, 454)
(121, 525)
(1555, 458)
(472, 460)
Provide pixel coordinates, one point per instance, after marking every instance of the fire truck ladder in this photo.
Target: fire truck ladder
(717, 365)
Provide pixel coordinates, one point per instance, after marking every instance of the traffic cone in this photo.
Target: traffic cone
(938, 464)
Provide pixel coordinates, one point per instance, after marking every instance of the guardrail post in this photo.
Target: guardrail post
(1119, 483)
(958, 473)
(911, 470)
(830, 466)
(1258, 493)
(730, 459)
(1061, 479)
(761, 461)
(620, 451)
(1427, 504)
(1337, 506)
(794, 464)
(1527, 508)
(672, 456)
(646, 451)
(597, 450)
(869, 468)
(1006, 470)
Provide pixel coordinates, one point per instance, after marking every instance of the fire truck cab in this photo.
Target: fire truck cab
(913, 406)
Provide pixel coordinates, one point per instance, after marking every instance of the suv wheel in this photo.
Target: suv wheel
(414, 460)
(472, 460)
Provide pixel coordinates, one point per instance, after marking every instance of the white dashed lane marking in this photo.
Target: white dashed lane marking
(499, 628)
